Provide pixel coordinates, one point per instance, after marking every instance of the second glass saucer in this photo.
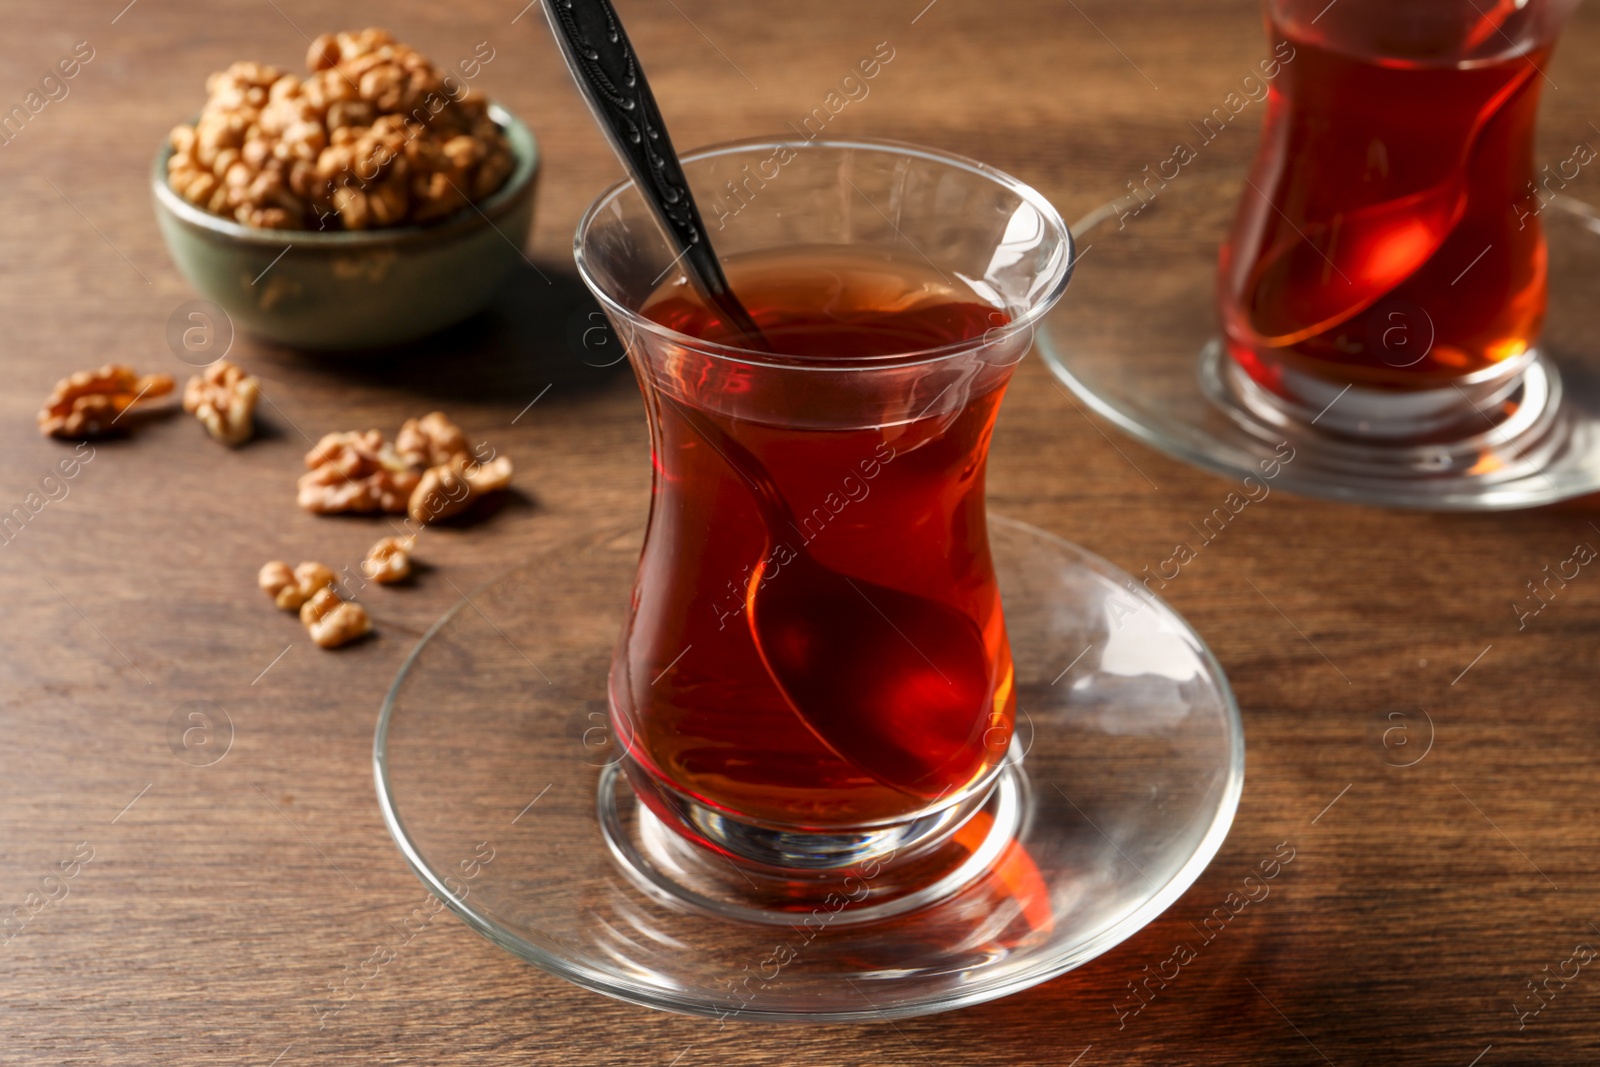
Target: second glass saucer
(1153, 364)
(496, 775)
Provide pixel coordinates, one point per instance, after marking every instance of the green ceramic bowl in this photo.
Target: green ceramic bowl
(334, 289)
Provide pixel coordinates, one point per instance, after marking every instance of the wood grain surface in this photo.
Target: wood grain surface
(220, 901)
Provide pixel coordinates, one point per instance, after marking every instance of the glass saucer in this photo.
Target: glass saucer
(1154, 366)
(495, 772)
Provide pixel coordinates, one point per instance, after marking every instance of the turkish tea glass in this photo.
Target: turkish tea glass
(1385, 277)
(815, 671)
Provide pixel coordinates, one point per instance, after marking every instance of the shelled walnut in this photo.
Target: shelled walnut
(428, 473)
(223, 398)
(357, 472)
(290, 589)
(374, 136)
(430, 441)
(449, 489)
(389, 560)
(89, 403)
(333, 622)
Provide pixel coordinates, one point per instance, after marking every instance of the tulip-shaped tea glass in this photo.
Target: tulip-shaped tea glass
(1383, 288)
(816, 672)
(855, 752)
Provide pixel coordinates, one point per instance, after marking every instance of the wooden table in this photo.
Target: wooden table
(220, 901)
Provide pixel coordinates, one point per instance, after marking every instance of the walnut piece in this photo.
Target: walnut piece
(431, 441)
(277, 581)
(333, 622)
(449, 489)
(375, 135)
(355, 472)
(428, 473)
(89, 403)
(351, 451)
(313, 576)
(389, 560)
(224, 399)
(490, 477)
(290, 589)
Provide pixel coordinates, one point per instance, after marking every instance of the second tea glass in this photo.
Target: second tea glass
(1387, 249)
(1398, 292)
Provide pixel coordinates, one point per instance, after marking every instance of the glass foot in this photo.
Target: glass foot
(498, 778)
(1511, 439)
(1157, 369)
(664, 863)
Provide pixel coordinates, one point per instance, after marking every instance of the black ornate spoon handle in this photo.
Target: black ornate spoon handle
(608, 73)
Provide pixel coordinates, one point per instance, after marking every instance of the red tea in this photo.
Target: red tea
(899, 506)
(1388, 240)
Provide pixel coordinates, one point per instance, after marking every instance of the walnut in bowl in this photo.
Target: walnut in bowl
(369, 203)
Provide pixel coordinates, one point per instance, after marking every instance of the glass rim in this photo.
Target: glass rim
(1030, 316)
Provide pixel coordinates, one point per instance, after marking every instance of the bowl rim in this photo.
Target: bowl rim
(524, 149)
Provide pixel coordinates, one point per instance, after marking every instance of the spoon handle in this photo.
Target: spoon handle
(613, 84)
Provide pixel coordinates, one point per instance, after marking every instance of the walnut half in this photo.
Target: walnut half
(355, 472)
(333, 622)
(224, 398)
(89, 403)
(389, 560)
(430, 441)
(448, 490)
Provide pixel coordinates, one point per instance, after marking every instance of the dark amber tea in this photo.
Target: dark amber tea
(742, 684)
(1390, 235)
